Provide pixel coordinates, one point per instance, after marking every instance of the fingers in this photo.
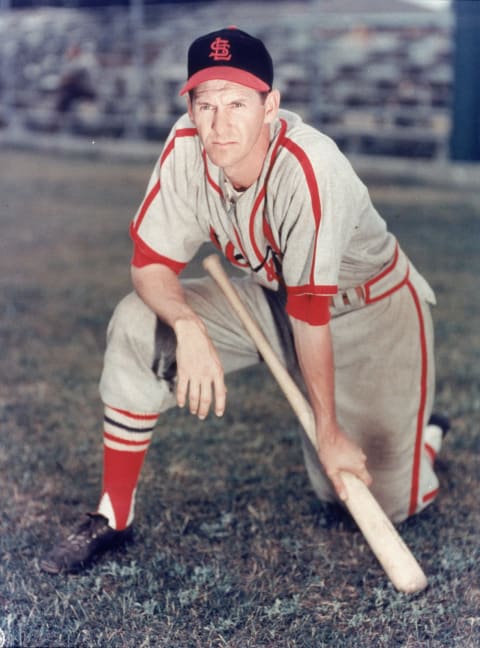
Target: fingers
(359, 470)
(200, 396)
(365, 476)
(194, 391)
(182, 389)
(201, 399)
(200, 375)
(339, 486)
(362, 471)
(220, 396)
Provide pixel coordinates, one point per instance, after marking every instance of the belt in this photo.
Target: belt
(388, 281)
(350, 297)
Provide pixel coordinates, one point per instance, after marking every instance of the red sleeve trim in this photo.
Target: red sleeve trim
(313, 309)
(143, 255)
(310, 289)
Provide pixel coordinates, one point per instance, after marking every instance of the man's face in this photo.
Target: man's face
(231, 120)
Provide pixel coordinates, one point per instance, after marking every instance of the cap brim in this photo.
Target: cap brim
(225, 73)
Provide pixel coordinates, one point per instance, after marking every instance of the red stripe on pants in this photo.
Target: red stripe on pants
(417, 455)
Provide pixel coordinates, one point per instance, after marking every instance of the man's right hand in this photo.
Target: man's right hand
(338, 453)
(199, 370)
(200, 374)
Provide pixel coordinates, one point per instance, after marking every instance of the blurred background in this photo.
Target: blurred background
(397, 78)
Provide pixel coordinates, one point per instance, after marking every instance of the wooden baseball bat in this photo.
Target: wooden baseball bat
(392, 553)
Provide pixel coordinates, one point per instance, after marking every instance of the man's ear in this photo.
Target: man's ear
(190, 108)
(272, 104)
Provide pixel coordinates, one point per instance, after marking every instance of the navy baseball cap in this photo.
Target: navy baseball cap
(229, 54)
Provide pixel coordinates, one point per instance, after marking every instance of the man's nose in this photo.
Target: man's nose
(220, 121)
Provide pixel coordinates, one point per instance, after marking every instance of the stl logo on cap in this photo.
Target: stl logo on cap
(231, 55)
(220, 49)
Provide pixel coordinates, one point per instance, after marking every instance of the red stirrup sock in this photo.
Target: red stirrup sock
(126, 439)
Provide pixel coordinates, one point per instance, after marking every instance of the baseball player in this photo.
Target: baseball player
(330, 286)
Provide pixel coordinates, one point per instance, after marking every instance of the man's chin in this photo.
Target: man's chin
(221, 159)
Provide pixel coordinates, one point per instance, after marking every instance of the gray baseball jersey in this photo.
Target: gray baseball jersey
(307, 223)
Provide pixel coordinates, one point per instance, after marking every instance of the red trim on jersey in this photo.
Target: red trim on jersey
(368, 284)
(417, 454)
(152, 194)
(210, 180)
(370, 300)
(167, 150)
(281, 138)
(268, 234)
(230, 253)
(280, 142)
(307, 168)
(214, 238)
(181, 132)
(154, 191)
(144, 255)
(251, 226)
(245, 263)
(269, 265)
(132, 415)
(387, 270)
(313, 309)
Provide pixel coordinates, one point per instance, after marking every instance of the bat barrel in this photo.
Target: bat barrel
(383, 539)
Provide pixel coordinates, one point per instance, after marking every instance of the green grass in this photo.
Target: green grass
(232, 548)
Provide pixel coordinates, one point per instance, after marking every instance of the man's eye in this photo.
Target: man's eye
(238, 104)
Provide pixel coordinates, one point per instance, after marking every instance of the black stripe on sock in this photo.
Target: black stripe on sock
(126, 427)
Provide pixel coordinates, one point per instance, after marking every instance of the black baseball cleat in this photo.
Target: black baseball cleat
(440, 421)
(90, 539)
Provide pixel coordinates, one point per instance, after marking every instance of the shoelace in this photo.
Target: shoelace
(88, 530)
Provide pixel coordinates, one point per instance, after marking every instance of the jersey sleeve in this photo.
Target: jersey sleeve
(320, 218)
(165, 228)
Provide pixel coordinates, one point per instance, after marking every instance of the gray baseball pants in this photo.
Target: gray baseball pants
(384, 374)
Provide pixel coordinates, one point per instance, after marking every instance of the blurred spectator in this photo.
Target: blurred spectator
(77, 78)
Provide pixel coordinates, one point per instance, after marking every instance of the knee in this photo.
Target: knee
(130, 332)
(132, 326)
(127, 316)
(139, 362)
(136, 331)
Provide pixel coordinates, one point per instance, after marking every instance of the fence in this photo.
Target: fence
(378, 80)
